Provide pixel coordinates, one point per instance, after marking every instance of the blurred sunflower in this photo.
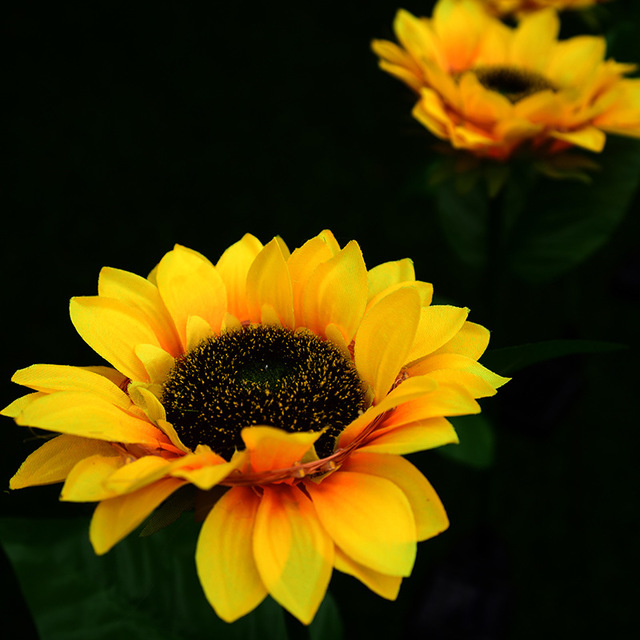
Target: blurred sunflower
(284, 387)
(488, 88)
(520, 7)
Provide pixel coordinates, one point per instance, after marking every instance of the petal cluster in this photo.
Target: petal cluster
(571, 95)
(521, 7)
(286, 518)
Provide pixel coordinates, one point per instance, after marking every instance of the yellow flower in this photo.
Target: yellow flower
(489, 88)
(521, 7)
(293, 381)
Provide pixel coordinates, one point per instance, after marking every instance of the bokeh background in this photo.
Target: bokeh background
(133, 126)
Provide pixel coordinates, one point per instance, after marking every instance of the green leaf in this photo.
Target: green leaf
(565, 221)
(144, 588)
(327, 625)
(508, 360)
(476, 448)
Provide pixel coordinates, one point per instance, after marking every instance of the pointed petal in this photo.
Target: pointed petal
(116, 517)
(438, 324)
(271, 448)
(190, 285)
(429, 514)
(410, 438)
(144, 296)
(471, 341)
(54, 460)
(137, 474)
(87, 415)
(15, 408)
(454, 361)
(387, 274)
(233, 267)
(293, 553)
(53, 377)
(590, 138)
(86, 481)
(268, 282)
(156, 361)
(369, 518)
(206, 469)
(534, 40)
(380, 583)
(385, 337)
(336, 293)
(224, 555)
(113, 329)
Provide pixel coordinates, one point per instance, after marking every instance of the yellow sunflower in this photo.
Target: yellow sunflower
(285, 388)
(488, 88)
(521, 7)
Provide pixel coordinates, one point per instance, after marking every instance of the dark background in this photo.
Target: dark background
(133, 126)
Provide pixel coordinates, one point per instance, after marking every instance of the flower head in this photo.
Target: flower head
(489, 88)
(290, 383)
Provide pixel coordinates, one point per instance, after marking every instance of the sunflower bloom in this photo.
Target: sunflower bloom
(489, 88)
(283, 389)
(521, 7)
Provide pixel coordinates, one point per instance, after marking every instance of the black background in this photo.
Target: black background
(133, 126)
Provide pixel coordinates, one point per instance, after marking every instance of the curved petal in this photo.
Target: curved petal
(438, 324)
(336, 292)
(86, 481)
(53, 377)
(387, 274)
(430, 516)
(190, 285)
(380, 583)
(54, 460)
(84, 414)
(206, 469)
(137, 474)
(534, 40)
(419, 435)
(369, 518)
(116, 517)
(293, 553)
(471, 341)
(143, 295)
(113, 329)
(457, 362)
(233, 267)
(272, 448)
(224, 555)
(268, 283)
(385, 337)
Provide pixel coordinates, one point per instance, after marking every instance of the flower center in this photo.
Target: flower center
(511, 82)
(261, 375)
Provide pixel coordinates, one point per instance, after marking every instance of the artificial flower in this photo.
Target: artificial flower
(489, 88)
(284, 388)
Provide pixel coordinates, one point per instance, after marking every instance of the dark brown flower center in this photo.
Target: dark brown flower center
(262, 376)
(512, 82)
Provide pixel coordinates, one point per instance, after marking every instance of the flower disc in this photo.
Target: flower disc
(261, 375)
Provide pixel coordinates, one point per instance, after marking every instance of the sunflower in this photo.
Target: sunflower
(521, 7)
(283, 388)
(489, 88)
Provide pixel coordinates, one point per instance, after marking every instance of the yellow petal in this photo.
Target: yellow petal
(574, 60)
(206, 469)
(369, 518)
(198, 330)
(471, 341)
(438, 324)
(429, 514)
(87, 415)
(303, 262)
(224, 555)
(443, 361)
(475, 386)
(233, 267)
(190, 286)
(53, 377)
(293, 553)
(534, 40)
(417, 37)
(53, 461)
(116, 517)
(113, 330)
(409, 390)
(419, 435)
(387, 274)
(272, 448)
(336, 293)
(268, 283)
(156, 361)
(86, 481)
(590, 138)
(137, 474)
(15, 408)
(143, 295)
(384, 585)
(385, 337)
